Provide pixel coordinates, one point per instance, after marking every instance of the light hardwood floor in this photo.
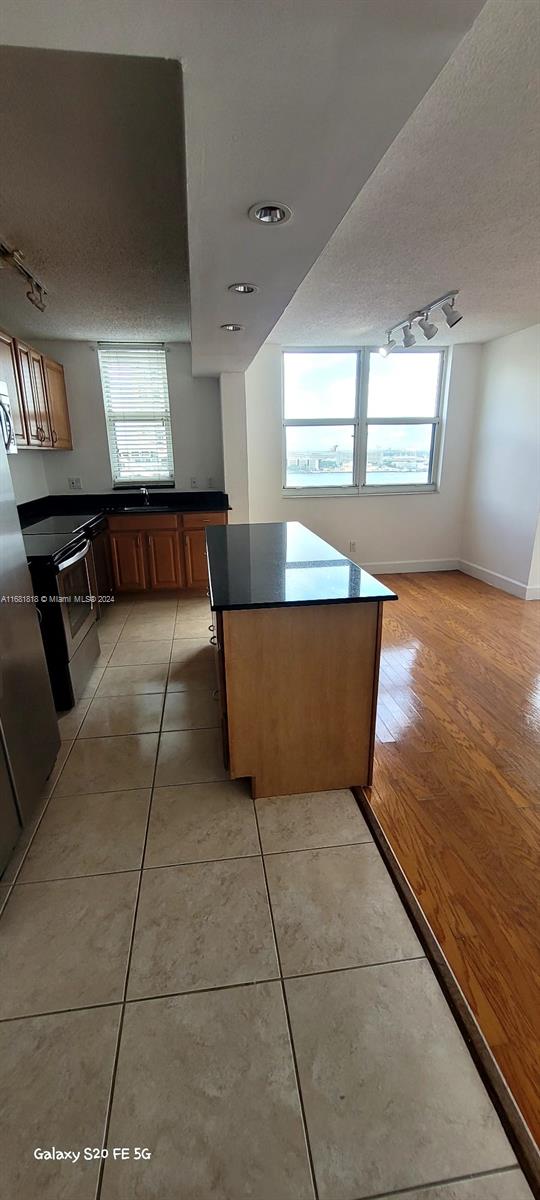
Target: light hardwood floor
(457, 795)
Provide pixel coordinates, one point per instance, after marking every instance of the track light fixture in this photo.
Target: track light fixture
(387, 348)
(12, 259)
(408, 336)
(428, 328)
(446, 303)
(451, 313)
(36, 296)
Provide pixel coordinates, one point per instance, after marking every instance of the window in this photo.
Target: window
(136, 401)
(355, 423)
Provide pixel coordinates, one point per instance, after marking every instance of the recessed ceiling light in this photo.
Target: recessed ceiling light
(242, 289)
(230, 327)
(269, 214)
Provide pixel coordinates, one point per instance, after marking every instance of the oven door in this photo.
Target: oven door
(77, 599)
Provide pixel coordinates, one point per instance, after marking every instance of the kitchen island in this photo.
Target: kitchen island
(298, 636)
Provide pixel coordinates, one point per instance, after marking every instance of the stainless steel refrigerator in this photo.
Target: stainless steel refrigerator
(29, 737)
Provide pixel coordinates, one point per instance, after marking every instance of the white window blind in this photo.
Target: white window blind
(136, 400)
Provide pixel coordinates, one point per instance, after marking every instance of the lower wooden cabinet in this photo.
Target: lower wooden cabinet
(128, 561)
(160, 552)
(195, 558)
(164, 565)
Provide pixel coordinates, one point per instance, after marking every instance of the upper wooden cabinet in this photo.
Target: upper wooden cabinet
(10, 387)
(58, 405)
(37, 397)
(34, 395)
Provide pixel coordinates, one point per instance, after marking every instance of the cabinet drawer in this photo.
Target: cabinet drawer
(146, 524)
(200, 520)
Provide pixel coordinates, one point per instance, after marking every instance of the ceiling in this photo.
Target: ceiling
(454, 203)
(288, 101)
(93, 193)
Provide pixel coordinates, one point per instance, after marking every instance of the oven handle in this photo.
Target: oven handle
(70, 562)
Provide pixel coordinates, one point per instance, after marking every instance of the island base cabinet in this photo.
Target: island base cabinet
(301, 694)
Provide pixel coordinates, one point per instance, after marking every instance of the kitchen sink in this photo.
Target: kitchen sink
(144, 508)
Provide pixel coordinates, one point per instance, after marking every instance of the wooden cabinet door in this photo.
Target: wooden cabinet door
(164, 559)
(58, 405)
(40, 391)
(195, 558)
(32, 380)
(10, 387)
(127, 554)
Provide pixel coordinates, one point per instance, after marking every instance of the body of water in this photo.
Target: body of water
(334, 479)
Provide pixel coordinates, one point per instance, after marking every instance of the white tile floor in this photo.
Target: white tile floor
(235, 986)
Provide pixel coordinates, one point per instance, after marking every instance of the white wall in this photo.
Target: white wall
(195, 424)
(390, 531)
(235, 451)
(503, 497)
(28, 475)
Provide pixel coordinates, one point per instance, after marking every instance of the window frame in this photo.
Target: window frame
(136, 417)
(361, 423)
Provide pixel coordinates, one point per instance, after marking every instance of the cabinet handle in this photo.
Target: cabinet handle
(54, 436)
(213, 641)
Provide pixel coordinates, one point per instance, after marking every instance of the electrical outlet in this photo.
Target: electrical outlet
(193, 483)
(75, 483)
(352, 547)
(210, 482)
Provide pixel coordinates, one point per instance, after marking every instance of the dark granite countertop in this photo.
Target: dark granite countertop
(65, 524)
(272, 565)
(51, 547)
(120, 501)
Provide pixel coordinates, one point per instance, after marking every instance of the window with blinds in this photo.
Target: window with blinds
(136, 400)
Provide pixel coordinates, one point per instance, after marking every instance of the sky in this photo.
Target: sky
(324, 385)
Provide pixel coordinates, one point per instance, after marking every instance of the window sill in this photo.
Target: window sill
(159, 485)
(419, 489)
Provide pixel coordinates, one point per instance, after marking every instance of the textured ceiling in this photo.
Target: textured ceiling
(453, 203)
(291, 100)
(93, 193)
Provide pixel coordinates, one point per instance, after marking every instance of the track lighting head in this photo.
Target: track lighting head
(428, 328)
(12, 258)
(36, 295)
(408, 336)
(451, 313)
(388, 347)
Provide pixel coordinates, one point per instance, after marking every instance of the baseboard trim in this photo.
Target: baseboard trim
(503, 582)
(414, 566)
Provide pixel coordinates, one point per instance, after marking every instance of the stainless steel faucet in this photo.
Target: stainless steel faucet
(146, 495)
